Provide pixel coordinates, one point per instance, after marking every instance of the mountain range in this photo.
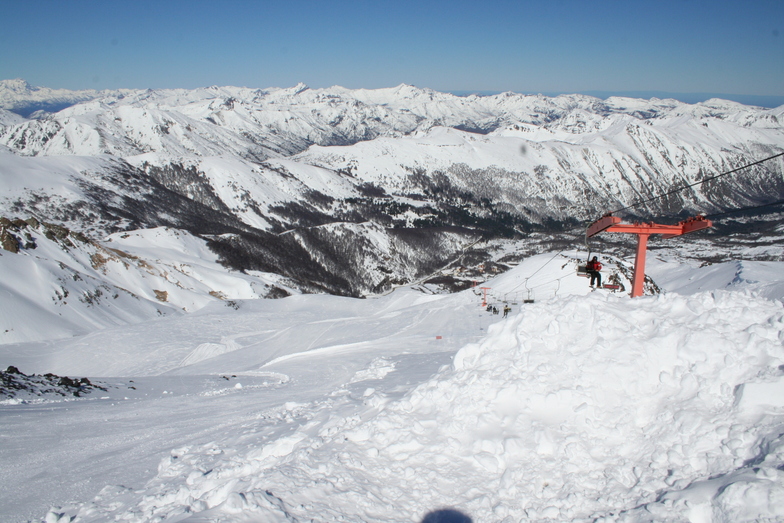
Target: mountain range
(352, 192)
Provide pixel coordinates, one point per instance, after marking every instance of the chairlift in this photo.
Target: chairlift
(612, 223)
(530, 298)
(582, 269)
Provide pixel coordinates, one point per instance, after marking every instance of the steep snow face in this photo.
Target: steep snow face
(541, 172)
(102, 194)
(580, 407)
(253, 192)
(8, 118)
(75, 191)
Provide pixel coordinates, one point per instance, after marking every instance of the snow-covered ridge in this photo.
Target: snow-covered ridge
(19, 96)
(288, 120)
(583, 153)
(59, 284)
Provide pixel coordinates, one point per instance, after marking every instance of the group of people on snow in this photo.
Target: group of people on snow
(494, 310)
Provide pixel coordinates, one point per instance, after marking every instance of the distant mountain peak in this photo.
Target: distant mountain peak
(410, 90)
(19, 96)
(300, 87)
(17, 85)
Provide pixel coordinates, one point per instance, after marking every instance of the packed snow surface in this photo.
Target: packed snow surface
(581, 406)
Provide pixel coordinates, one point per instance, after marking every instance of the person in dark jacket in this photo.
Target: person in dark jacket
(593, 267)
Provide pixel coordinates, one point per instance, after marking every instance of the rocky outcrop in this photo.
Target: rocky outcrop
(14, 383)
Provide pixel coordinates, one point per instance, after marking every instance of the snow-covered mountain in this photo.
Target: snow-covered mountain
(20, 97)
(74, 285)
(569, 156)
(139, 230)
(355, 191)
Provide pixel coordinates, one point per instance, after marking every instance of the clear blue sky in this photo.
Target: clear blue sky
(677, 46)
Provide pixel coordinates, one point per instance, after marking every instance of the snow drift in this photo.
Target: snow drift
(579, 408)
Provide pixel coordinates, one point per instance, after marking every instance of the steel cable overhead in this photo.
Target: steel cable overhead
(673, 191)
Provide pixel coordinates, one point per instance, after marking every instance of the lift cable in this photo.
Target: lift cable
(697, 183)
(525, 282)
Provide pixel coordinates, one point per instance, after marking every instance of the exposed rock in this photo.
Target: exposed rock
(8, 241)
(14, 383)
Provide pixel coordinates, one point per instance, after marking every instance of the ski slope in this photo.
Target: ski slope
(581, 406)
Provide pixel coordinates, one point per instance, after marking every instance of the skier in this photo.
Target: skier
(593, 267)
(507, 308)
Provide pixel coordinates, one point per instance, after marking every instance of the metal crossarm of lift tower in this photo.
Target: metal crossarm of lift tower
(610, 223)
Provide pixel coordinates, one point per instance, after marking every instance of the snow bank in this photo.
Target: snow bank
(581, 408)
(759, 277)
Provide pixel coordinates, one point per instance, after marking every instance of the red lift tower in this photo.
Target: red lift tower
(484, 295)
(610, 223)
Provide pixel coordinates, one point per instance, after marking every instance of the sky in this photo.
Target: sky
(549, 47)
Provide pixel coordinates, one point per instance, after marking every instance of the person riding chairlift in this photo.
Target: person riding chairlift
(593, 267)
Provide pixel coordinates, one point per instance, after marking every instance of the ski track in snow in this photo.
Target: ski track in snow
(578, 407)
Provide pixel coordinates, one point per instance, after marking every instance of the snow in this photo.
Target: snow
(759, 277)
(581, 406)
(583, 153)
(53, 290)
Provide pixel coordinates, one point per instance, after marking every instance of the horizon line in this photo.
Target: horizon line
(766, 101)
(759, 100)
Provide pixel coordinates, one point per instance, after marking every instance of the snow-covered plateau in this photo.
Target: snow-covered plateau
(331, 305)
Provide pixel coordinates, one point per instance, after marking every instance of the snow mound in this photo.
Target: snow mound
(758, 277)
(580, 408)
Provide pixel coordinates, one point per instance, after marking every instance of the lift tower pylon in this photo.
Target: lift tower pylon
(484, 295)
(610, 223)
